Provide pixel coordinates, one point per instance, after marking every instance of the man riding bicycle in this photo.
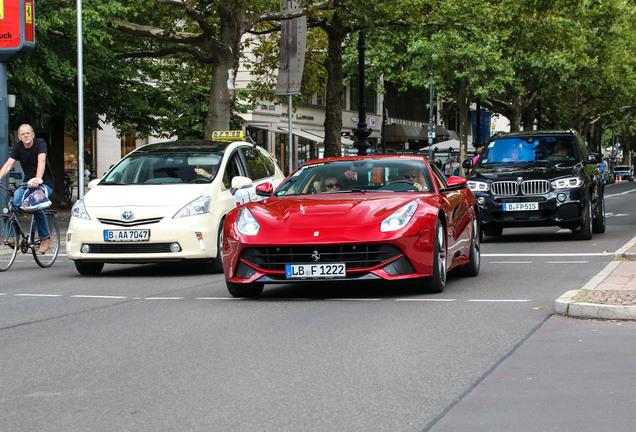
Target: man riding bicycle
(31, 152)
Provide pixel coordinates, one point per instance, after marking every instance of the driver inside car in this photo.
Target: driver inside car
(412, 175)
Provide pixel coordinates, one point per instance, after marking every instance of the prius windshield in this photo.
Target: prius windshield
(358, 175)
(164, 168)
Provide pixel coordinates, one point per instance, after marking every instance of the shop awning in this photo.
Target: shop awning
(404, 133)
(310, 134)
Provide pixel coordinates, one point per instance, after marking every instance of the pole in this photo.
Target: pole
(290, 158)
(362, 131)
(4, 129)
(431, 121)
(80, 105)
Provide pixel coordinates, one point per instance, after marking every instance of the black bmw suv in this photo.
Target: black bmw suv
(538, 178)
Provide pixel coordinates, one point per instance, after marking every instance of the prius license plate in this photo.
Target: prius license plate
(130, 235)
(521, 206)
(315, 271)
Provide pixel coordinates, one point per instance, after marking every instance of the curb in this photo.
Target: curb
(567, 306)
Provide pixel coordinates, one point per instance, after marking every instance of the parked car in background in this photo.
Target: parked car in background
(166, 202)
(625, 172)
(538, 178)
(357, 218)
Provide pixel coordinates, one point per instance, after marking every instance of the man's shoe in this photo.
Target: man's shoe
(11, 242)
(45, 245)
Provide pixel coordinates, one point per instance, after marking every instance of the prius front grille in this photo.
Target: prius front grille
(128, 248)
(131, 223)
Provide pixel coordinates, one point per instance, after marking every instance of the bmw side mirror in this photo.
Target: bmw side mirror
(594, 158)
(467, 164)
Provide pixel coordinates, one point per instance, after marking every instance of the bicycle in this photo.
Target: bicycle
(13, 238)
(68, 188)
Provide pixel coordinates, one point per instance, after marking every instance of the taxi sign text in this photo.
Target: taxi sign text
(233, 134)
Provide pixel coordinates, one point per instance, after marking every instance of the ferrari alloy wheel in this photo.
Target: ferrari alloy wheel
(248, 290)
(471, 268)
(437, 281)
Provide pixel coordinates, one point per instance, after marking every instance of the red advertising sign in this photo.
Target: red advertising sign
(10, 24)
(17, 32)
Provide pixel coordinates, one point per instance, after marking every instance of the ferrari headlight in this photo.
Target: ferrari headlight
(79, 210)
(399, 218)
(197, 207)
(246, 222)
(477, 186)
(567, 183)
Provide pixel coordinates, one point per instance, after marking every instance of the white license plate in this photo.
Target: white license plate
(522, 206)
(130, 235)
(316, 271)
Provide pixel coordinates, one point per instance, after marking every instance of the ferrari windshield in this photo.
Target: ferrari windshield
(552, 149)
(164, 167)
(358, 175)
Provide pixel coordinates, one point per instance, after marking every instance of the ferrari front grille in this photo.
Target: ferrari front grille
(275, 258)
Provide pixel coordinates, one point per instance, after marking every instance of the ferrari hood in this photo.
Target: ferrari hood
(350, 210)
(143, 195)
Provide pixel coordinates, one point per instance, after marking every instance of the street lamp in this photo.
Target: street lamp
(362, 131)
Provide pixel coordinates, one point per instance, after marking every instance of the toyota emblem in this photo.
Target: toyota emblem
(128, 215)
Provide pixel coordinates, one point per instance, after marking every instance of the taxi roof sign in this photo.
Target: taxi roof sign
(228, 135)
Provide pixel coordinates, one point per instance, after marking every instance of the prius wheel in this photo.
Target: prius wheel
(471, 268)
(437, 281)
(249, 290)
(88, 268)
(217, 262)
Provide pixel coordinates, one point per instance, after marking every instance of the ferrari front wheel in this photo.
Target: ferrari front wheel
(437, 281)
(249, 290)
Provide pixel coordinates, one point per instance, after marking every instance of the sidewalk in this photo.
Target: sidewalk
(611, 294)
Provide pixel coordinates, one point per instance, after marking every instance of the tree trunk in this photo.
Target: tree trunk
(336, 33)
(463, 110)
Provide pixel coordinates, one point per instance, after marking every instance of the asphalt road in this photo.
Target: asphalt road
(162, 348)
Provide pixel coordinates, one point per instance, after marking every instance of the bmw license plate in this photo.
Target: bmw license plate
(315, 271)
(521, 206)
(130, 235)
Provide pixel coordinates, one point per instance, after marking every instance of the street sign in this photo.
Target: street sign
(17, 31)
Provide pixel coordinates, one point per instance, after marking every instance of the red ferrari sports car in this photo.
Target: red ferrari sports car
(387, 217)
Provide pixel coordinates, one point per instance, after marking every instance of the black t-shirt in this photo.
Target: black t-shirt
(28, 158)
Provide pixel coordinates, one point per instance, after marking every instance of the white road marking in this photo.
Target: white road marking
(163, 298)
(98, 296)
(510, 262)
(38, 295)
(566, 262)
(500, 300)
(426, 300)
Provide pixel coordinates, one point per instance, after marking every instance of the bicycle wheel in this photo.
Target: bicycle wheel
(47, 258)
(68, 194)
(8, 251)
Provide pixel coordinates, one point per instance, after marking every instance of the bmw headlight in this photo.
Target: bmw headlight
(477, 186)
(567, 183)
(399, 218)
(246, 223)
(79, 211)
(197, 207)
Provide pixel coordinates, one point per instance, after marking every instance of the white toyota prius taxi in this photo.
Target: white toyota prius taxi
(166, 202)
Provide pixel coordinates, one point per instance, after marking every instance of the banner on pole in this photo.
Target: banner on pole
(293, 44)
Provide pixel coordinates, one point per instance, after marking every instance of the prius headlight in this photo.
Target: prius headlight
(246, 223)
(569, 182)
(197, 207)
(399, 218)
(79, 210)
